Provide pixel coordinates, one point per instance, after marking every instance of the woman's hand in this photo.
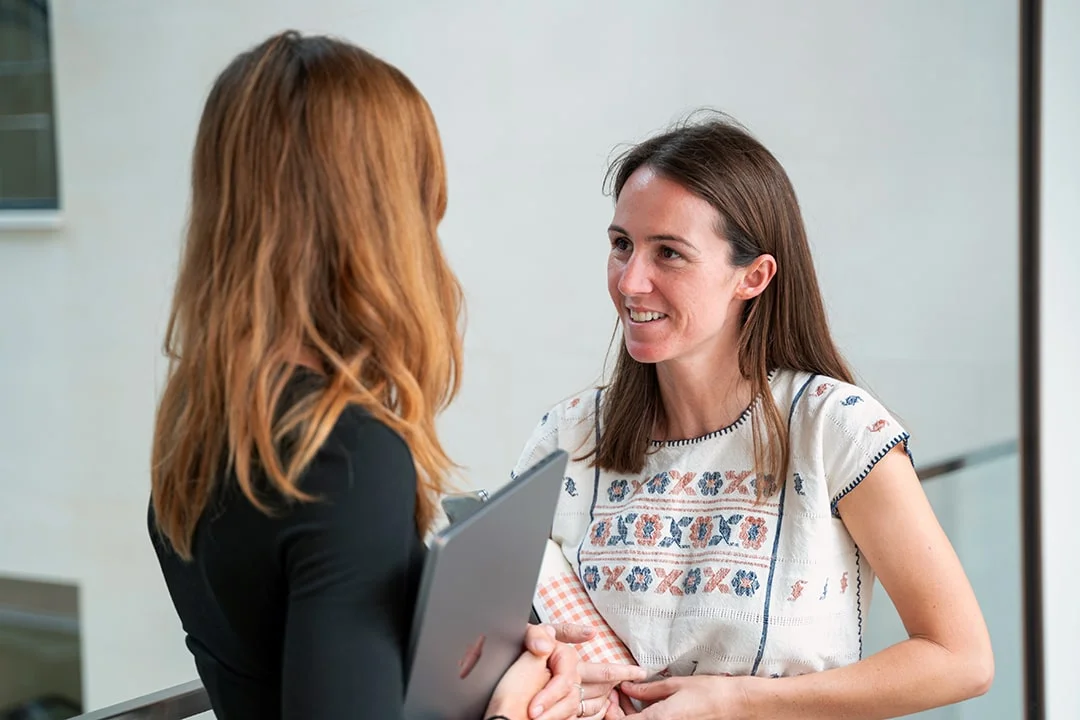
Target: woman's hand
(600, 683)
(697, 698)
(553, 642)
(539, 687)
(597, 696)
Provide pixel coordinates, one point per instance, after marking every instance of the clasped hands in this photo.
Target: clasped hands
(550, 682)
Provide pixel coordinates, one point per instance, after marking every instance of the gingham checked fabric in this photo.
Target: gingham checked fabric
(561, 598)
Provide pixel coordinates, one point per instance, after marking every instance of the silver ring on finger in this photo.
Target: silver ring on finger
(581, 699)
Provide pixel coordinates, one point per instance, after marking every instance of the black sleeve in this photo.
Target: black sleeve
(350, 561)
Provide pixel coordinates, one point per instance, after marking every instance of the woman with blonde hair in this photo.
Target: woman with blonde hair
(312, 341)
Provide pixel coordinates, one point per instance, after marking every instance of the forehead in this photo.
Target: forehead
(652, 204)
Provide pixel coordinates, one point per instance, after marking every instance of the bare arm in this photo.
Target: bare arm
(947, 657)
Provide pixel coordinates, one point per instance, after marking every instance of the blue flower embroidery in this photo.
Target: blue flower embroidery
(591, 577)
(639, 579)
(745, 583)
(851, 400)
(658, 484)
(544, 419)
(710, 483)
(618, 491)
(799, 484)
(692, 581)
(768, 484)
(600, 532)
(571, 488)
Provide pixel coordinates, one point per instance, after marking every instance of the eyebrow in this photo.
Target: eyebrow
(654, 238)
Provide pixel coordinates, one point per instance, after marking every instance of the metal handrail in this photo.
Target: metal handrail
(190, 699)
(175, 703)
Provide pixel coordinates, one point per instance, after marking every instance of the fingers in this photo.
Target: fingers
(615, 710)
(573, 634)
(564, 661)
(650, 692)
(540, 639)
(557, 690)
(570, 707)
(610, 674)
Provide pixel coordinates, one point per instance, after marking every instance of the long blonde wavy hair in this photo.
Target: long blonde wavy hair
(318, 183)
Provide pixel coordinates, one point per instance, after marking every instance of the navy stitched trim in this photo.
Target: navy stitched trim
(596, 487)
(901, 438)
(858, 595)
(776, 542)
(715, 433)
(707, 436)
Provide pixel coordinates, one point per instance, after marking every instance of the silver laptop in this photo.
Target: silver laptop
(475, 596)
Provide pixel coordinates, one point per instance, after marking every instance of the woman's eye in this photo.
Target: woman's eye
(621, 244)
(669, 254)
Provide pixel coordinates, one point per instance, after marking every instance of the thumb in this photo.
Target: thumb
(573, 634)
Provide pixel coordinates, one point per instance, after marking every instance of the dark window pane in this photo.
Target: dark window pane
(28, 163)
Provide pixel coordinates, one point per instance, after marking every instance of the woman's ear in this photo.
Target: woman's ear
(756, 277)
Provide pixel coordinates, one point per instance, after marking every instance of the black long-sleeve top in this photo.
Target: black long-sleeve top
(306, 613)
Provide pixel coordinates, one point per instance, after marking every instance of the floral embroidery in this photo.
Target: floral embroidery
(752, 533)
(700, 531)
(745, 583)
(799, 485)
(575, 402)
(851, 400)
(571, 488)
(796, 589)
(639, 578)
(878, 426)
(647, 531)
(820, 389)
(843, 583)
(825, 592)
(618, 491)
(692, 581)
(591, 577)
(768, 483)
(545, 418)
(710, 483)
(600, 532)
(658, 484)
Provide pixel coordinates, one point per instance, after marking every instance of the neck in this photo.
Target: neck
(701, 395)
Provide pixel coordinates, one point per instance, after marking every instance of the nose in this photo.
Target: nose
(635, 278)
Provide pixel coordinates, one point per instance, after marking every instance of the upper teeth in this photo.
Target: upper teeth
(645, 316)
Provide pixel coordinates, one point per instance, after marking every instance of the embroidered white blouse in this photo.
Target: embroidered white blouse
(692, 573)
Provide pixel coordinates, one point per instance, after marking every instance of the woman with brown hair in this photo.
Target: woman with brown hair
(312, 341)
(734, 494)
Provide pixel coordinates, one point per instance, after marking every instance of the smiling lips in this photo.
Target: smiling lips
(644, 316)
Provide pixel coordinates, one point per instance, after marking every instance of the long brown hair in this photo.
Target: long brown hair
(318, 183)
(784, 327)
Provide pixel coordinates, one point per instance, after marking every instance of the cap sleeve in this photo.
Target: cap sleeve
(856, 432)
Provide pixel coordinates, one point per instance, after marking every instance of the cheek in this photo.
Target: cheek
(614, 274)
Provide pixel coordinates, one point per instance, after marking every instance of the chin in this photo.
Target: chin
(645, 353)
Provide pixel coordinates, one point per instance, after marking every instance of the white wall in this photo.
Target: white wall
(897, 122)
(1060, 347)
